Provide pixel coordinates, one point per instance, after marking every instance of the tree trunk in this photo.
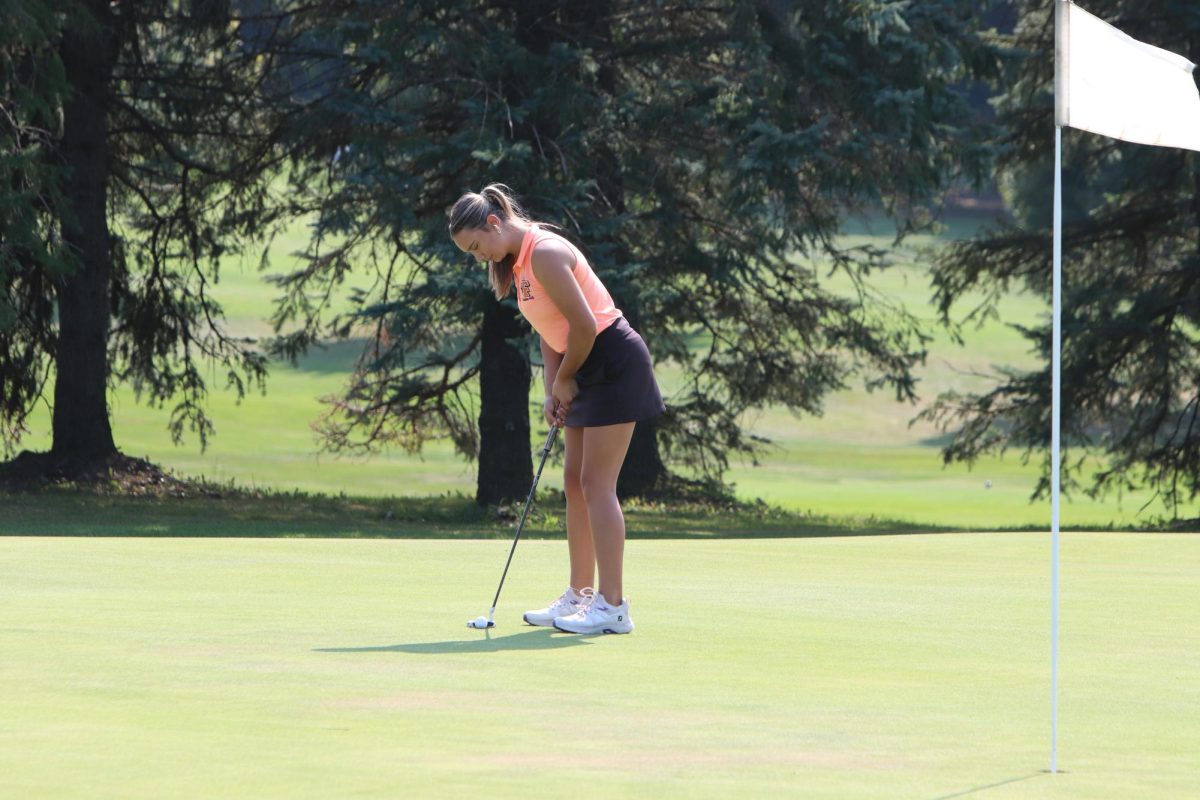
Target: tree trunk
(643, 472)
(80, 425)
(505, 452)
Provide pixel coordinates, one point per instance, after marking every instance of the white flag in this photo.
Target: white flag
(1109, 83)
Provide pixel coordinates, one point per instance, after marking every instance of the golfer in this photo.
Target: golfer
(599, 384)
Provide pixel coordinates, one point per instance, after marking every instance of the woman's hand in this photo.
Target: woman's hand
(564, 392)
(555, 413)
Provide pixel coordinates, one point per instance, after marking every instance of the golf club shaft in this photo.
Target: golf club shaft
(528, 501)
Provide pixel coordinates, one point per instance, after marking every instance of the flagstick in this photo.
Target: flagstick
(1086, 45)
(1062, 118)
(1056, 391)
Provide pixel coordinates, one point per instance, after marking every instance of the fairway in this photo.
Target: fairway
(873, 666)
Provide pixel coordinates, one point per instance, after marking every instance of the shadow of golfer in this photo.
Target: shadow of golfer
(975, 789)
(538, 639)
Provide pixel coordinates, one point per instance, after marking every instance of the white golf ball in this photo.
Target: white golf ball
(481, 622)
(987, 484)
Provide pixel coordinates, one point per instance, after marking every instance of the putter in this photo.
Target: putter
(490, 620)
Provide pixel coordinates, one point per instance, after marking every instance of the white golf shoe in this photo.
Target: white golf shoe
(566, 605)
(599, 617)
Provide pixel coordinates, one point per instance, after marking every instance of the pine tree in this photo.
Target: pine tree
(1131, 282)
(32, 90)
(703, 155)
(140, 141)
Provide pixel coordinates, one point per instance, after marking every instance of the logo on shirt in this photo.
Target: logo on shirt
(526, 289)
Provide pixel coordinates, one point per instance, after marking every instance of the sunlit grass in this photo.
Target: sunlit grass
(880, 666)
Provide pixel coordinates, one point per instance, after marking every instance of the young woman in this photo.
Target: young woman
(599, 384)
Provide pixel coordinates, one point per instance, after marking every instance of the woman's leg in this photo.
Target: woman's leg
(604, 450)
(579, 531)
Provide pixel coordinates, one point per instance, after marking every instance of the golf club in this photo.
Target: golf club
(490, 620)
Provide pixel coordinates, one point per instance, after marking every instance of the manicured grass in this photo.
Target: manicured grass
(864, 667)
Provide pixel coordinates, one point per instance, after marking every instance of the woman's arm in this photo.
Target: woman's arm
(551, 358)
(552, 264)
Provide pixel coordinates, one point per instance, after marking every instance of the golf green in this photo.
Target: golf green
(875, 666)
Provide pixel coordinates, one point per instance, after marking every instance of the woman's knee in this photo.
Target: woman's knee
(597, 486)
(573, 482)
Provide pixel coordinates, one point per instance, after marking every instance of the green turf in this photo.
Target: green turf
(863, 667)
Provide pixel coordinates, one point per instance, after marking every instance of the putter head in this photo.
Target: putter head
(475, 624)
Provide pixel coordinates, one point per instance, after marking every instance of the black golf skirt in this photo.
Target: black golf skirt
(616, 381)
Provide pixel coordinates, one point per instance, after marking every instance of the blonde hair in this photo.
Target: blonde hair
(471, 212)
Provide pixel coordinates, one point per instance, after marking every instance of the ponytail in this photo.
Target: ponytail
(471, 212)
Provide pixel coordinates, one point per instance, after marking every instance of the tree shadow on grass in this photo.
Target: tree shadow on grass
(540, 639)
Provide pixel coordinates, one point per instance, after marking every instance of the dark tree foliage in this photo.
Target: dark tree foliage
(1131, 285)
(703, 155)
(32, 90)
(139, 139)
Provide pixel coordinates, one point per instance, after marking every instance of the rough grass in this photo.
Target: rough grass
(233, 512)
(236, 513)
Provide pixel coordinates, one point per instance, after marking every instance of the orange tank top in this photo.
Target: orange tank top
(539, 309)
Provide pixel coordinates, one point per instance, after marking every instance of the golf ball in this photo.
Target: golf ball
(987, 484)
(481, 622)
